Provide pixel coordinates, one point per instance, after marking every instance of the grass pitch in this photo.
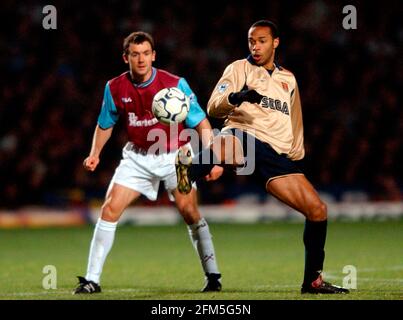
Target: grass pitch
(258, 262)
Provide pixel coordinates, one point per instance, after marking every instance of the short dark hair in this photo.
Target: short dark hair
(267, 23)
(137, 38)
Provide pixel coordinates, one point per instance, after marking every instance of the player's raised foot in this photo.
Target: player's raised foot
(86, 287)
(182, 164)
(213, 282)
(320, 286)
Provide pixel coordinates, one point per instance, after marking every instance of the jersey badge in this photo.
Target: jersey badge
(222, 87)
(285, 86)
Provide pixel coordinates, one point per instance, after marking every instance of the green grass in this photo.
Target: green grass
(259, 262)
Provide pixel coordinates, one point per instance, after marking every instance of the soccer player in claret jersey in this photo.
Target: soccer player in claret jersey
(129, 97)
(260, 101)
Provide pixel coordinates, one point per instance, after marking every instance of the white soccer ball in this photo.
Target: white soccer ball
(170, 105)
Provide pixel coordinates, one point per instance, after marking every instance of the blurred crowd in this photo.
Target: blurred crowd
(52, 85)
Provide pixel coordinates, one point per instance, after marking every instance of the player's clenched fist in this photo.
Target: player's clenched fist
(90, 163)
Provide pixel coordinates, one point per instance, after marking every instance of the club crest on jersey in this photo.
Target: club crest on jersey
(222, 87)
(285, 86)
(126, 99)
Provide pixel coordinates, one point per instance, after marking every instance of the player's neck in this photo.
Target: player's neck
(138, 78)
(270, 66)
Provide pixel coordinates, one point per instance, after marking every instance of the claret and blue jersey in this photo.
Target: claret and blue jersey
(131, 102)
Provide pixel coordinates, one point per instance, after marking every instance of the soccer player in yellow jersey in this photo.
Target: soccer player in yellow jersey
(261, 104)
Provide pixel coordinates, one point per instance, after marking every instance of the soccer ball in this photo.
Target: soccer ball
(170, 105)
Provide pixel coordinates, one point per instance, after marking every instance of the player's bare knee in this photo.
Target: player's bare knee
(189, 213)
(318, 212)
(109, 213)
(187, 208)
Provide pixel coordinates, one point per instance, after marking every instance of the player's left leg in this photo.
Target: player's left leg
(297, 192)
(200, 236)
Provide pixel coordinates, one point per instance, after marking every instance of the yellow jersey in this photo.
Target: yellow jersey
(277, 120)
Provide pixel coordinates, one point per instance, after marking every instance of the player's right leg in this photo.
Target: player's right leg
(117, 200)
(225, 149)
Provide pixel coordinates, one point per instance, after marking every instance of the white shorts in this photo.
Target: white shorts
(143, 173)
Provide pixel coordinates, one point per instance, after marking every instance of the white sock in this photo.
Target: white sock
(101, 244)
(202, 242)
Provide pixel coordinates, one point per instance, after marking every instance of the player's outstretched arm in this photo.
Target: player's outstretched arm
(101, 136)
(205, 132)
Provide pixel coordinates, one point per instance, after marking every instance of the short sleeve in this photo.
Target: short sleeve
(109, 114)
(196, 113)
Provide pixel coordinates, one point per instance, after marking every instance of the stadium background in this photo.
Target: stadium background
(52, 84)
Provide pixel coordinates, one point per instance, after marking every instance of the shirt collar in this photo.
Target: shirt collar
(148, 82)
